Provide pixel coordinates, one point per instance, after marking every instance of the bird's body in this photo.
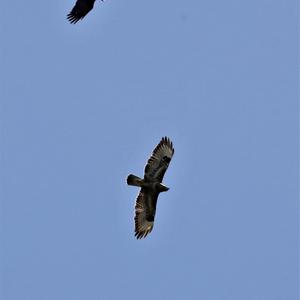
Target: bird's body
(80, 10)
(151, 187)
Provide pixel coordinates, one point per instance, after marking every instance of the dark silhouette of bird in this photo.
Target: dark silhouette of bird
(151, 187)
(80, 10)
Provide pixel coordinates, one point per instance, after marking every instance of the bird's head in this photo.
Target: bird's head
(163, 188)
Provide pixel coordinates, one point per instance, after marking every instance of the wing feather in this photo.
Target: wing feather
(80, 10)
(145, 208)
(159, 160)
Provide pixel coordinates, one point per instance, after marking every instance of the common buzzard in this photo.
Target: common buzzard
(151, 186)
(80, 10)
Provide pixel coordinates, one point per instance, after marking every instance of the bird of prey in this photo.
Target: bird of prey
(151, 186)
(80, 10)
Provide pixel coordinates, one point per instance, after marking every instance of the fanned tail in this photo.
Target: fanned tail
(134, 180)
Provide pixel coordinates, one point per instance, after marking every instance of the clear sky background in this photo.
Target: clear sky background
(84, 105)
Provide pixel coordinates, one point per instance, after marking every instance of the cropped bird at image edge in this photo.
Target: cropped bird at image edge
(80, 10)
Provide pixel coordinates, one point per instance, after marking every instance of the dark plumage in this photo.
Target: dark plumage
(151, 186)
(80, 10)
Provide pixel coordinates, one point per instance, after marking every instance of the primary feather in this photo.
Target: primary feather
(80, 10)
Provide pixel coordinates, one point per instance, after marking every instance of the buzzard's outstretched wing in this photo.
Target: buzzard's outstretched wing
(159, 161)
(145, 208)
(80, 10)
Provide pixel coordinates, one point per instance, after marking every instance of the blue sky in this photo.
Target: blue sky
(83, 105)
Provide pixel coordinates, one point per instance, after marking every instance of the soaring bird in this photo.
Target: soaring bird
(151, 186)
(80, 10)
